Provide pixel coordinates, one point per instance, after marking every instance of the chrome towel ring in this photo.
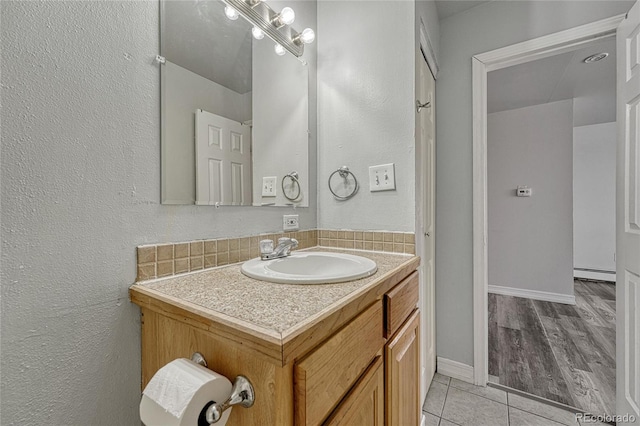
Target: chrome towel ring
(344, 173)
(294, 184)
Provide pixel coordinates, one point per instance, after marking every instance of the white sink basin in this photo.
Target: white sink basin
(310, 268)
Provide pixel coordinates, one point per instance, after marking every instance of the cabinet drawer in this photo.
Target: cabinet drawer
(324, 376)
(364, 405)
(399, 302)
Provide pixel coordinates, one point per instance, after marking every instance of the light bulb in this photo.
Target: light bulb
(307, 36)
(231, 13)
(287, 16)
(258, 34)
(279, 50)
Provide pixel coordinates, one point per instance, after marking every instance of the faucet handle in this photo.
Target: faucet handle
(266, 246)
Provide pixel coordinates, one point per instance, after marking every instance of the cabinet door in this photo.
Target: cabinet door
(364, 405)
(402, 375)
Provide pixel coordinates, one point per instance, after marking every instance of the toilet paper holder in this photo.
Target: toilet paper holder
(242, 394)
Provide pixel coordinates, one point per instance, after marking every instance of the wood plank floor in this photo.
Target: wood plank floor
(560, 352)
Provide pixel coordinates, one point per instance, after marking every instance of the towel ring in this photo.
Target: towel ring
(294, 178)
(344, 173)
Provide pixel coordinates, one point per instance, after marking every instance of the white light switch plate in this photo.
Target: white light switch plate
(269, 186)
(382, 177)
(290, 222)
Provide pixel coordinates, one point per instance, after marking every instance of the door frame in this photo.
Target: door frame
(530, 50)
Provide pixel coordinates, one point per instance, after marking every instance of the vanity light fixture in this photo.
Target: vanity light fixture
(231, 13)
(258, 34)
(279, 50)
(285, 17)
(306, 36)
(276, 25)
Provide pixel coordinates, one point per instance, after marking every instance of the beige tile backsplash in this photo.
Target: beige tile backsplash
(162, 260)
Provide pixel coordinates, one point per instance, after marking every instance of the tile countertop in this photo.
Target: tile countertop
(275, 313)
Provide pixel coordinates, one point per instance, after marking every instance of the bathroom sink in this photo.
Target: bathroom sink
(310, 268)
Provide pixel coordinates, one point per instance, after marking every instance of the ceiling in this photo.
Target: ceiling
(447, 8)
(197, 35)
(558, 78)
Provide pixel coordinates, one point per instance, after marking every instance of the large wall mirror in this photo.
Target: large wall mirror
(234, 114)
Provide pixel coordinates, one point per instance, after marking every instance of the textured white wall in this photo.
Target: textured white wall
(481, 29)
(183, 92)
(365, 110)
(531, 239)
(594, 196)
(80, 172)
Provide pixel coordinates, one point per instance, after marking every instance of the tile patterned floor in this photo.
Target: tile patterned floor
(452, 402)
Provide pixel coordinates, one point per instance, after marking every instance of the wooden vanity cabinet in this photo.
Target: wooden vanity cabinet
(365, 403)
(323, 377)
(388, 392)
(359, 366)
(402, 365)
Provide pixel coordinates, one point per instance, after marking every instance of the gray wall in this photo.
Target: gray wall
(80, 172)
(594, 196)
(531, 239)
(183, 92)
(485, 27)
(280, 134)
(365, 110)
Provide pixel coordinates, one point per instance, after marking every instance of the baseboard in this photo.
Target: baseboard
(594, 275)
(455, 369)
(546, 296)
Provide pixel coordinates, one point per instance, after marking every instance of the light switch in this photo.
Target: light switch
(382, 177)
(269, 186)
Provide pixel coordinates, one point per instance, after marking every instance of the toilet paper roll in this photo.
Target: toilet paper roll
(179, 392)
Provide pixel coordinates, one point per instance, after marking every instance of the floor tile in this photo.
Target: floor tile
(441, 378)
(465, 408)
(522, 418)
(445, 422)
(431, 419)
(435, 398)
(553, 413)
(487, 392)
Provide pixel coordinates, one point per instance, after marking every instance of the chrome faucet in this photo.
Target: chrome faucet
(285, 245)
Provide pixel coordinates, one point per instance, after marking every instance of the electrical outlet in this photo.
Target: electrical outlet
(382, 177)
(290, 222)
(269, 186)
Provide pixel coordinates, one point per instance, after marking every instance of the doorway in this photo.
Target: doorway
(627, 178)
(551, 146)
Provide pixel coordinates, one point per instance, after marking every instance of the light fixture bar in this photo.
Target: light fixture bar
(261, 15)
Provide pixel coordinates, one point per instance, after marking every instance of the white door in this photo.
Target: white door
(628, 217)
(425, 237)
(223, 161)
